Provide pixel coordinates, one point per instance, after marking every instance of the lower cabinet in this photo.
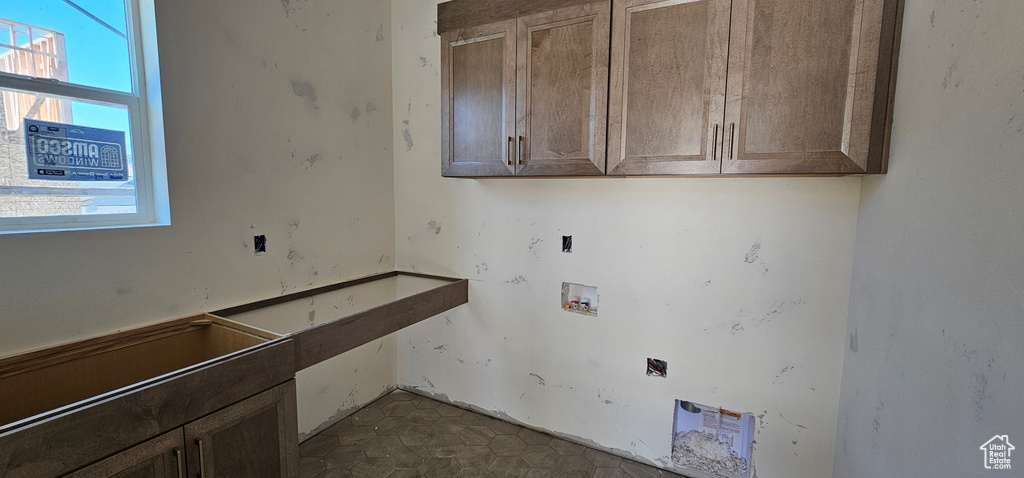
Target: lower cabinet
(161, 457)
(255, 438)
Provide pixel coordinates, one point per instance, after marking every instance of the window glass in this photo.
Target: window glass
(83, 42)
(76, 135)
(103, 127)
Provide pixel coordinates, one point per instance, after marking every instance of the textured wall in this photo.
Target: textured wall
(740, 284)
(933, 360)
(278, 122)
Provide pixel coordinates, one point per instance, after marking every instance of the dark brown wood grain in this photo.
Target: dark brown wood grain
(328, 340)
(60, 441)
(892, 32)
(428, 276)
(82, 370)
(161, 457)
(478, 87)
(255, 438)
(106, 341)
(562, 91)
(808, 86)
(668, 75)
(64, 440)
(470, 13)
(300, 295)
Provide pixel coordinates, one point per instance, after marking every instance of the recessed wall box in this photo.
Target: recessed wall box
(712, 440)
(579, 298)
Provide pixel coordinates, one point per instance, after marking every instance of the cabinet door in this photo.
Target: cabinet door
(562, 91)
(668, 75)
(808, 86)
(161, 457)
(255, 438)
(478, 100)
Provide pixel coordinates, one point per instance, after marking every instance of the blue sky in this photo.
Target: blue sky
(96, 56)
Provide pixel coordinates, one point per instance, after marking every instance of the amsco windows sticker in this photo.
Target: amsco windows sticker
(65, 152)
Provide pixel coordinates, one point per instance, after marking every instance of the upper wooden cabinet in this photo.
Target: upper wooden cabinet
(478, 78)
(668, 86)
(693, 87)
(810, 86)
(526, 96)
(562, 91)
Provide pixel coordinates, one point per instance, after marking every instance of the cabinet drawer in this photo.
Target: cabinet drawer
(161, 457)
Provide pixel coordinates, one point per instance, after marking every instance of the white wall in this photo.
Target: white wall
(934, 361)
(670, 257)
(278, 122)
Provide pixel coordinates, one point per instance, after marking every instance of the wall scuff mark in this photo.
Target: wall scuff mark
(407, 136)
(305, 91)
(752, 255)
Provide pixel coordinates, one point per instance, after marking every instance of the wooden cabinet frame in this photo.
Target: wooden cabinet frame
(709, 159)
(829, 130)
(474, 22)
(867, 115)
(79, 434)
(164, 455)
(591, 161)
(324, 341)
(202, 442)
(198, 365)
(194, 450)
(503, 163)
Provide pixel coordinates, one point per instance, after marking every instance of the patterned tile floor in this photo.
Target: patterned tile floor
(403, 435)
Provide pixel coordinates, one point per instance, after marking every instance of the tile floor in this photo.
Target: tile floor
(403, 435)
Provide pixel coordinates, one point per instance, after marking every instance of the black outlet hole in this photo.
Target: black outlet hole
(261, 244)
(657, 368)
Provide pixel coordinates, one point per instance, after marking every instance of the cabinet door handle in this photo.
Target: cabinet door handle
(177, 458)
(521, 152)
(732, 137)
(202, 459)
(714, 144)
(508, 149)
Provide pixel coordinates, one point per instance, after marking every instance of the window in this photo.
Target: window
(81, 124)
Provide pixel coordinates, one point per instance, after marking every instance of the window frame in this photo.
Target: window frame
(145, 110)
